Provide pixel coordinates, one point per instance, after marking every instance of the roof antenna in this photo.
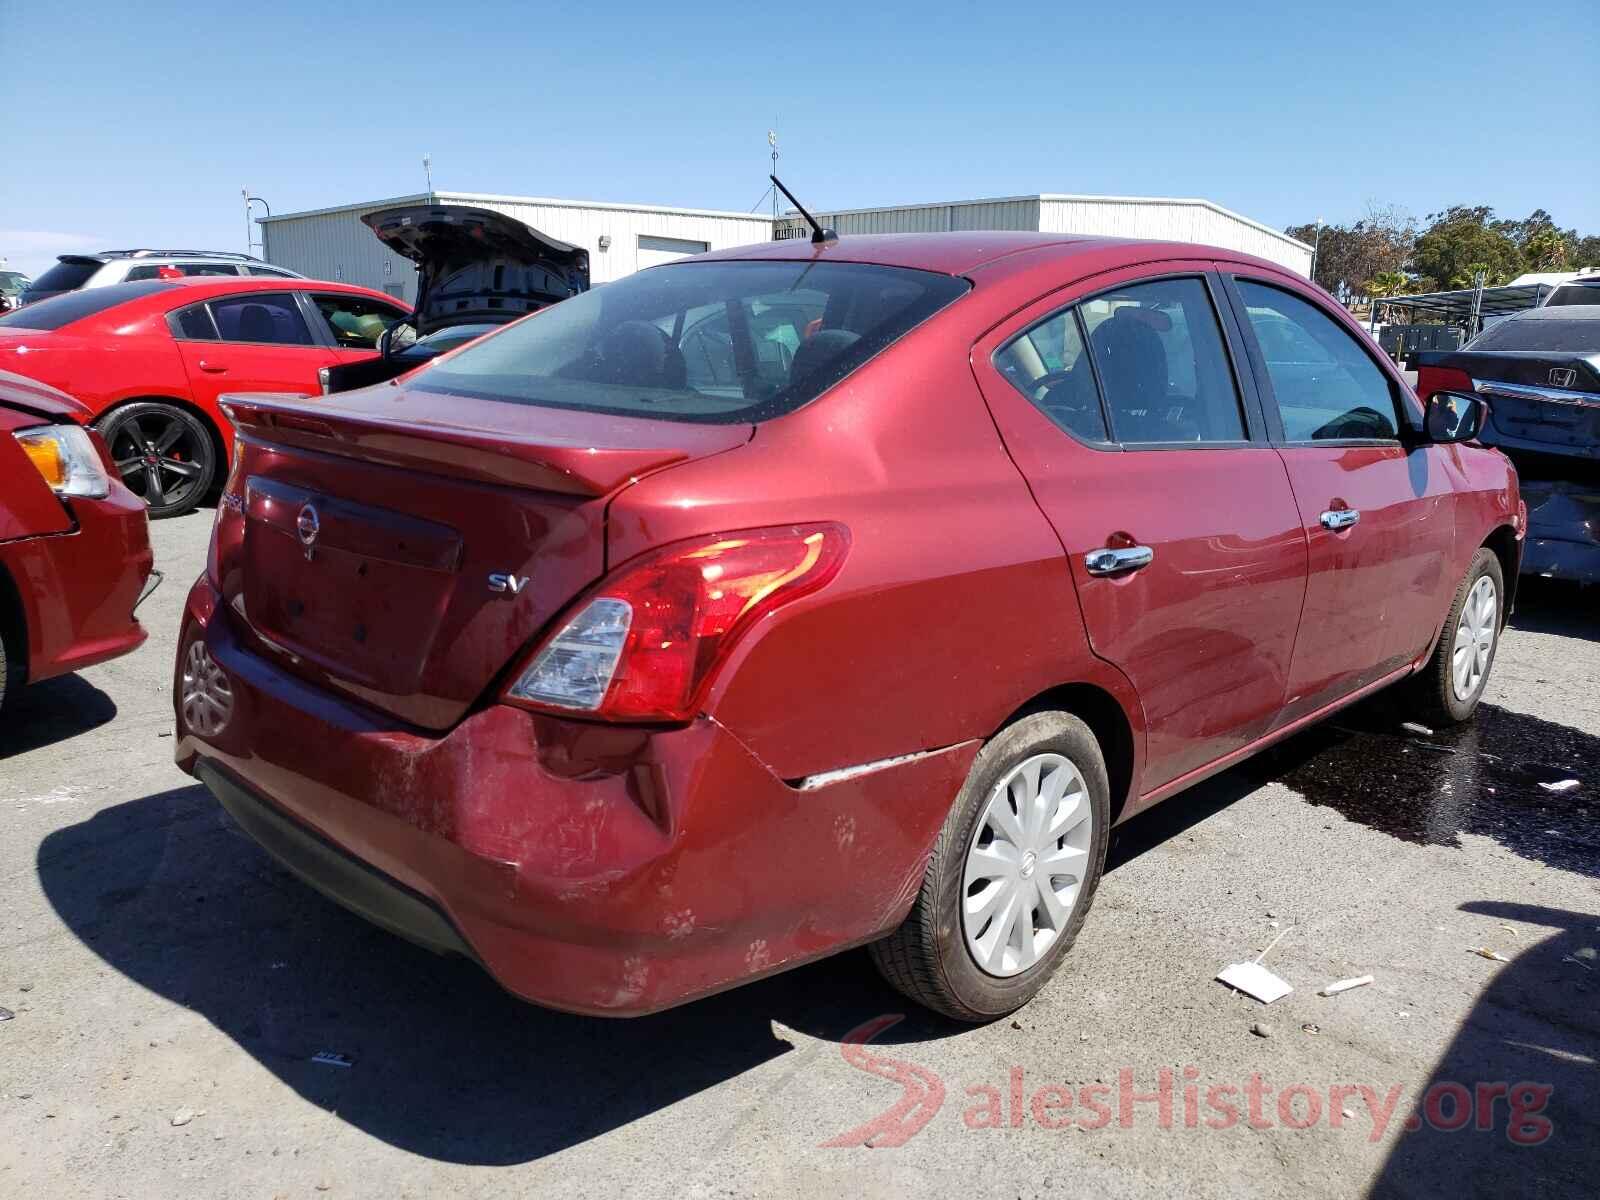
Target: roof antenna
(819, 235)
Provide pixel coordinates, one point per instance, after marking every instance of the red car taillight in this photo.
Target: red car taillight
(1441, 379)
(644, 645)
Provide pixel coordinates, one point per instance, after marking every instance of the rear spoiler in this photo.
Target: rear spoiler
(562, 457)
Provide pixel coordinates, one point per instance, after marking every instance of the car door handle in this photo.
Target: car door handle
(213, 368)
(1107, 561)
(1340, 518)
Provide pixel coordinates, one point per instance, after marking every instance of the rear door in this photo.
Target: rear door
(1377, 510)
(1141, 439)
(253, 342)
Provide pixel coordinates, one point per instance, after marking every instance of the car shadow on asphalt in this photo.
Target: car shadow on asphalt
(444, 1063)
(51, 712)
(1512, 1108)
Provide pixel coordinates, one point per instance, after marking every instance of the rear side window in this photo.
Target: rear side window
(67, 276)
(715, 342)
(1162, 365)
(193, 324)
(164, 270)
(59, 311)
(265, 317)
(1326, 386)
(1048, 365)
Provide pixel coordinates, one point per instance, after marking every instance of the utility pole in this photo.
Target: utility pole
(1316, 248)
(427, 171)
(249, 239)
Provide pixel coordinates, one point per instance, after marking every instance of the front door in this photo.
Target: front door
(1120, 402)
(1376, 510)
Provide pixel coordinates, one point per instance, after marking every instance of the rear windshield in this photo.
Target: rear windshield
(74, 306)
(712, 342)
(1574, 293)
(1581, 336)
(65, 276)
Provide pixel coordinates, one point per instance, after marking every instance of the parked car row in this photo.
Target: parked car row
(149, 340)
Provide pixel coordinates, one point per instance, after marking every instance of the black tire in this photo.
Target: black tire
(164, 453)
(11, 668)
(1431, 692)
(927, 957)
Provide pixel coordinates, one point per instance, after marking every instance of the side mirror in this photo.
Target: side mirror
(1454, 417)
(396, 338)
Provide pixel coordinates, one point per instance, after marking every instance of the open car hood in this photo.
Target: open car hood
(474, 265)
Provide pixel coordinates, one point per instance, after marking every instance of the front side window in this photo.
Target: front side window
(265, 317)
(1047, 364)
(355, 321)
(712, 342)
(1162, 364)
(1326, 385)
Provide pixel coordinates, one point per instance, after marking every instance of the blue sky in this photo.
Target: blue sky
(138, 124)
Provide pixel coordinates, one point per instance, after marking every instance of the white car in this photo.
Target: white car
(74, 271)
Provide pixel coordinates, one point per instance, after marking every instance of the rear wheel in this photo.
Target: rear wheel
(1449, 688)
(1012, 874)
(163, 453)
(10, 667)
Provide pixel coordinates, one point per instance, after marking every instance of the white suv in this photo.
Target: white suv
(74, 271)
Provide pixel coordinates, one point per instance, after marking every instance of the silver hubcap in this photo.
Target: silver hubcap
(207, 694)
(1026, 863)
(1475, 634)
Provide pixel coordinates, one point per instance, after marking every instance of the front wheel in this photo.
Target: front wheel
(1012, 874)
(163, 453)
(1449, 688)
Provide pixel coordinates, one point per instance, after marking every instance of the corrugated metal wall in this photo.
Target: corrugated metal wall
(336, 245)
(1171, 220)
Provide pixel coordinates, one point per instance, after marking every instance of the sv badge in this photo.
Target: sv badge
(507, 584)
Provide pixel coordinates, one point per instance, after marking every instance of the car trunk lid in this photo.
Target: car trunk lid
(1545, 400)
(476, 265)
(403, 552)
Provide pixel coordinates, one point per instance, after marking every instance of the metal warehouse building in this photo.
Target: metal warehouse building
(332, 243)
(1107, 216)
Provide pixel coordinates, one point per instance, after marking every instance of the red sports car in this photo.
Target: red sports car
(150, 359)
(74, 543)
(802, 596)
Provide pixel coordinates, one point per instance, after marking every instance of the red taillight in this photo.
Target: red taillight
(1441, 379)
(644, 645)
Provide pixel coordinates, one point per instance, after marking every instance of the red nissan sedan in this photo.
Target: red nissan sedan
(150, 358)
(807, 596)
(74, 543)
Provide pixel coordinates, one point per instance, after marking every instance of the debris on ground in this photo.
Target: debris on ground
(1262, 1029)
(328, 1058)
(1308, 1027)
(1491, 955)
(183, 1116)
(6, 1014)
(1560, 785)
(1253, 979)
(1413, 727)
(1585, 958)
(1345, 985)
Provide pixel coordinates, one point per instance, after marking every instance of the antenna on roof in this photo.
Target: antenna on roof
(819, 235)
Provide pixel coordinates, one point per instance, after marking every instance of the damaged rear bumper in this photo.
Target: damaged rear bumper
(590, 868)
(1563, 539)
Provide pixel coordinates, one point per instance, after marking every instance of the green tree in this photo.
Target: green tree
(1349, 256)
(1460, 241)
(1546, 250)
(1388, 283)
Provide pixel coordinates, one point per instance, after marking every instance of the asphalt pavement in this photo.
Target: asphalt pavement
(172, 990)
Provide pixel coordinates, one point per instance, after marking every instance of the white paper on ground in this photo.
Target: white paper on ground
(1344, 985)
(1253, 979)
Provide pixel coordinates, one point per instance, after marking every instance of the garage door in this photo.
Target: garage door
(653, 250)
